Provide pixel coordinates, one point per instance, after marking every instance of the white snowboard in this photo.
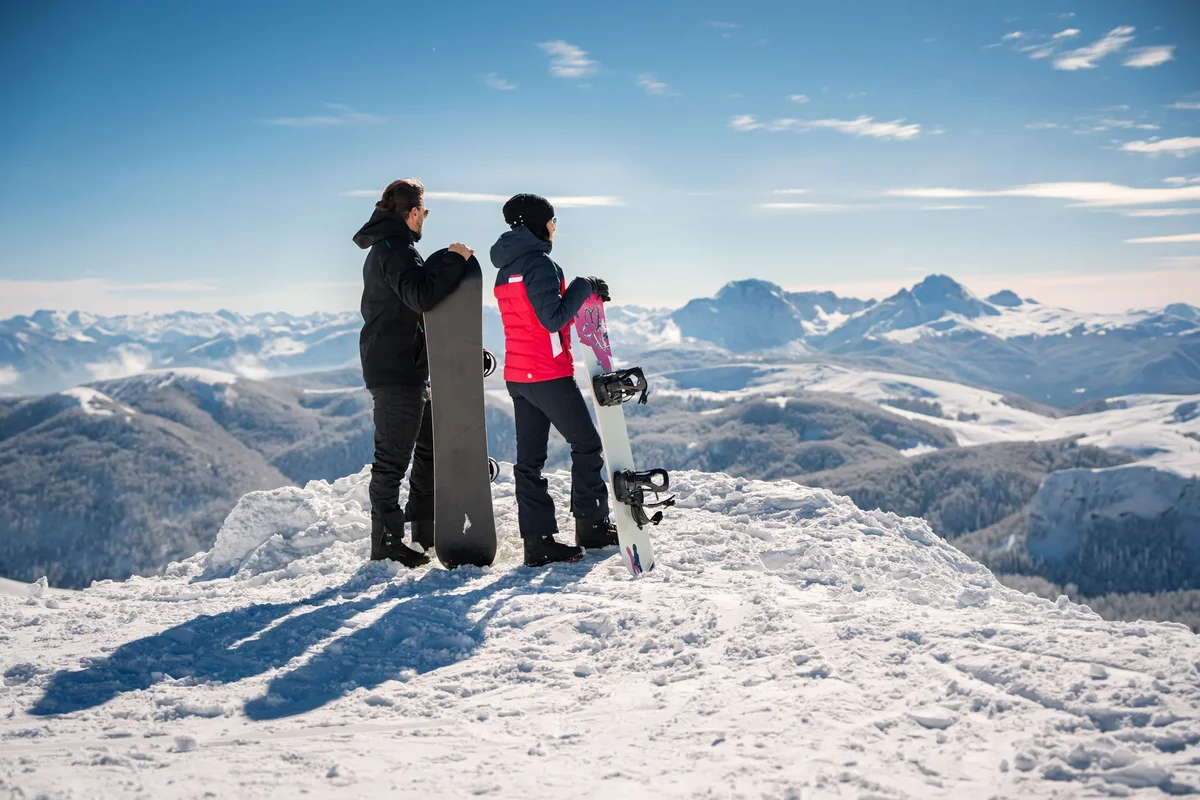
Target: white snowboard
(596, 358)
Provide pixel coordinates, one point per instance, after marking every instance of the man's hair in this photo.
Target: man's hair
(402, 196)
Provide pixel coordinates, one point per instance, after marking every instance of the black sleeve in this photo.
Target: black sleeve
(422, 286)
(542, 285)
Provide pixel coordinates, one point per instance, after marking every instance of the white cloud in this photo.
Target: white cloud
(8, 375)
(1180, 261)
(1044, 126)
(1179, 238)
(480, 197)
(1082, 194)
(1086, 57)
(1008, 37)
(1179, 180)
(592, 201)
(1180, 146)
(952, 208)
(1066, 34)
(1151, 56)
(790, 191)
(861, 126)
(1163, 212)
(567, 60)
(494, 81)
(1185, 106)
(798, 98)
(467, 197)
(724, 26)
(855, 95)
(342, 115)
(652, 86)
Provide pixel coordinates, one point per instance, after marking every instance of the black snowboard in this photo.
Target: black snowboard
(462, 497)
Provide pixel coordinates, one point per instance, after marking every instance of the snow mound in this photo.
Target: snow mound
(96, 404)
(788, 644)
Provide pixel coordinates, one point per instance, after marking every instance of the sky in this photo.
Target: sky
(163, 156)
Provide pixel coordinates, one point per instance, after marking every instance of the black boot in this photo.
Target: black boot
(595, 533)
(543, 550)
(385, 545)
(422, 533)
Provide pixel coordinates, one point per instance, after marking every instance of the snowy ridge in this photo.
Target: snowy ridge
(787, 645)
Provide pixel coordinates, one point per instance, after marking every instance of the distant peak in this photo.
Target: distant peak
(939, 286)
(1006, 298)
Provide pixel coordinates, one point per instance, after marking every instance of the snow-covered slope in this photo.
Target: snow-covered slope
(788, 645)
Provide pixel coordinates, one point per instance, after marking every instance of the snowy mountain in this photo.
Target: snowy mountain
(938, 328)
(788, 644)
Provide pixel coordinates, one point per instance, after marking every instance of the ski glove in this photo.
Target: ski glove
(599, 287)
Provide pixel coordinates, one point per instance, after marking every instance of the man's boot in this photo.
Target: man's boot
(543, 550)
(385, 545)
(595, 533)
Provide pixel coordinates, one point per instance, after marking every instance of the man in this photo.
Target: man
(537, 308)
(398, 288)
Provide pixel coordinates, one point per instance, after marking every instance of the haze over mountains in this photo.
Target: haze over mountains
(937, 328)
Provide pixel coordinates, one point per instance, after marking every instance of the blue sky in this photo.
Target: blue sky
(158, 156)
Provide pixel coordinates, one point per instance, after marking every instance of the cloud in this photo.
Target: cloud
(1066, 34)
(567, 60)
(724, 26)
(1008, 37)
(859, 127)
(1086, 57)
(652, 86)
(8, 375)
(952, 208)
(494, 81)
(1151, 56)
(1180, 261)
(790, 191)
(342, 115)
(1163, 212)
(1185, 106)
(583, 201)
(855, 95)
(1079, 194)
(1180, 146)
(798, 98)
(1179, 180)
(1179, 238)
(1044, 126)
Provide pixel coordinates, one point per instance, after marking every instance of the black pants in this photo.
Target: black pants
(537, 406)
(403, 432)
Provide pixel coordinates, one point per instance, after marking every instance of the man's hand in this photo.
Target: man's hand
(462, 250)
(599, 287)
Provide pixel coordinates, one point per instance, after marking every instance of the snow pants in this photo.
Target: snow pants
(403, 433)
(537, 406)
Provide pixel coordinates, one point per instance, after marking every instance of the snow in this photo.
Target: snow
(96, 403)
(787, 645)
(211, 377)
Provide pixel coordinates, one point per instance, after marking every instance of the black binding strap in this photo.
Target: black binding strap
(630, 488)
(615, 388)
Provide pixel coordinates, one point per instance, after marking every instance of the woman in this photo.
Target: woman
(537, 308)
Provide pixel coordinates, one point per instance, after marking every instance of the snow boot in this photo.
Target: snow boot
(543, 550)
(595, 533)
(385, 545)
(422, 533)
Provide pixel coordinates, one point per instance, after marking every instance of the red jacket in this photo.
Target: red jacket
(537, 308)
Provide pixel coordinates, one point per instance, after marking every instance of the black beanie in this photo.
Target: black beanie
(531, 211)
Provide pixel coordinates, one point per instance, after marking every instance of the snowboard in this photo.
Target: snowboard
(610, 389)
(465, 529)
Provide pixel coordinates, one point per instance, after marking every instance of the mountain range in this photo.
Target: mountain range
(938, 328)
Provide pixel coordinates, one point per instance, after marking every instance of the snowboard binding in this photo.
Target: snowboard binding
(493, 469)
(615, 388)
(489, 363)
(631, 487)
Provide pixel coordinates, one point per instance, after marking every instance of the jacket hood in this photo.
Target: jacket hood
(383, 225)
(516, 243)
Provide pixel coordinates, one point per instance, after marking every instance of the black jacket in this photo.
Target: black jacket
(519, 252)
(398, 288)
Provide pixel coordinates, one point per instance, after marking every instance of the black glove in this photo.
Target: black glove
(599, 287)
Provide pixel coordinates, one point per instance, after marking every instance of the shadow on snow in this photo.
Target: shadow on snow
(428, 626)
